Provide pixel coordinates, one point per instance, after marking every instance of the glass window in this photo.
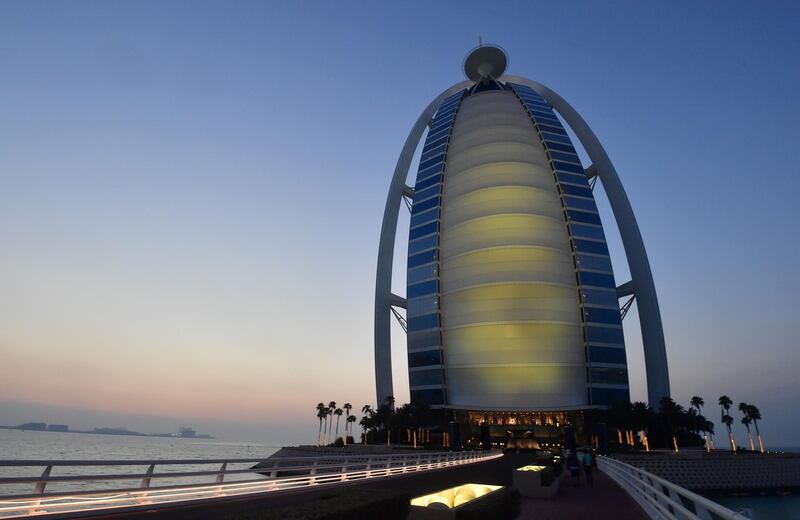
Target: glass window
(586, 246)
(603, 355)
(576, 190)
(449, 103)
(434, 357)
(572, 178)
(423, 305)
(608, 316)
(424, 338)
(579, 216)
(586, 231)
(605, 335)
(423, 217)
(421, 231)
(442, 131)
(419, 207)
(429, 397)
(433, 170)
(561, 147)
(422, 258)
(561, 156)
(428, 321)
(425, 377)
(609, 376)
(430, 145)
(600, 296)
(544, 118)
(576, 203)
(421, 289)
(568, 167)
(439, 127)
(427, 193)
(597, 279)
(430, 181)
(431, 162)
(551, 129)
(447, 111)
(547, 136)
(419, 274)
(593, 263)
(428, 242)
(433, 152)
(607, 396)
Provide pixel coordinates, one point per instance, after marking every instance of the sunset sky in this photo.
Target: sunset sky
(191, 195)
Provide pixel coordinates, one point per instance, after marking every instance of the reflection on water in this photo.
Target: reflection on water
(764, 507)
(15, 444)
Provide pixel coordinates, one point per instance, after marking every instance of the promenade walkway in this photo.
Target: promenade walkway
(605, 501)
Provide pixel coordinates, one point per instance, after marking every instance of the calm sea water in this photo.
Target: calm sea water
(15, 444)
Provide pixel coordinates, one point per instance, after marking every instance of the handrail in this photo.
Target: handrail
(303, 472)
(662, 499)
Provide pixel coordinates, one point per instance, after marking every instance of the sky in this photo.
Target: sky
(191, 195)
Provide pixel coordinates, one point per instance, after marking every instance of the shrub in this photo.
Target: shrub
(498, 505)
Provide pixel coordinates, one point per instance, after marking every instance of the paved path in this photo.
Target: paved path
(606, 500)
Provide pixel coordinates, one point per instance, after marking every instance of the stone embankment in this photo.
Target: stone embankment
(722, 472)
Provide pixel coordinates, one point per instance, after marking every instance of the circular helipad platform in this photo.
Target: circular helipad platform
(485, 61)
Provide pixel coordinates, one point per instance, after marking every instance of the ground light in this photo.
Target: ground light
(453, 497)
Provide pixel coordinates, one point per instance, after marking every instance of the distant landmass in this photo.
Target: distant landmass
(183, 432)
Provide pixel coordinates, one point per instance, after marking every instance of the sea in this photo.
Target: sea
(38, 445)
(18, 445)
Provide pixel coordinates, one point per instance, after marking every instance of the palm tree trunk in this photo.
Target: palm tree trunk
(337, 426)
(758, 434)
(319, 432)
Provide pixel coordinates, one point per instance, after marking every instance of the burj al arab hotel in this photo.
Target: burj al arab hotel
(511, 304)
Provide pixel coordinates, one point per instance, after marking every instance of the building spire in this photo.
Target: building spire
(480, 41)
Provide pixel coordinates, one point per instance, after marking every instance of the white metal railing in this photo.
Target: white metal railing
(279, 474)
(662, 499)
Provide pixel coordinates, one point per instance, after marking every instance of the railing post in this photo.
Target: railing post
(313, 473)
(146, 482)
(369, 467)
(274, 472)
(220, 478)
(38, 489)
(344, 470)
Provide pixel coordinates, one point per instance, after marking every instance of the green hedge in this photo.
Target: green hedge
(344, 504)
(498, 505)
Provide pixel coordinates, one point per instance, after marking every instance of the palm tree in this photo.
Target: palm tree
(331, 408)
(350, 419)
(338, 413)
(367, 411)
(754, 413)
(346, 407)
(728, 421)
(725, 404)
(320, 415)
(746, 420)
(697, 402)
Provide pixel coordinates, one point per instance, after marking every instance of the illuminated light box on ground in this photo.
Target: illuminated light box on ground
(535, 481)
(445, 503)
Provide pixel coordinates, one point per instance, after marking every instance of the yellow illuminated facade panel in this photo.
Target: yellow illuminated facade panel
(510, 311)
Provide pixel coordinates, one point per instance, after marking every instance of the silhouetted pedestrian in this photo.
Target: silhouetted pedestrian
(574, 467)
(588, 465)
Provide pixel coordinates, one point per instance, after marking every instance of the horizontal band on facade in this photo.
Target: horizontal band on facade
(512, 282)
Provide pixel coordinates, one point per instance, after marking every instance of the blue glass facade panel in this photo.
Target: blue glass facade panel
(429, 321)
(422, 279)
(586, 231)
(607, 355)
(589, 248)
(423, 244)
(425, 358)
(605, 335)
(608, 396)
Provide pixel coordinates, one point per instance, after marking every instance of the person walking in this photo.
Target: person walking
(588, 465)
(573, 464)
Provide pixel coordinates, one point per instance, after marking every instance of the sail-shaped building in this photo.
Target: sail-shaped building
(512, 307)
